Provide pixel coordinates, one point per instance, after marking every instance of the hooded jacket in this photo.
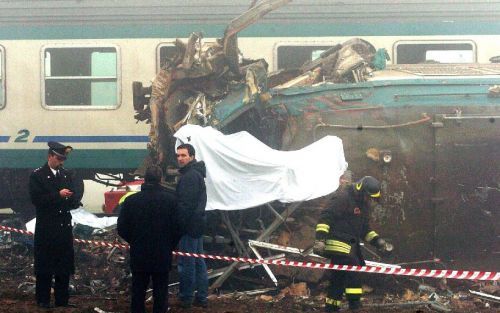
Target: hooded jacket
(192, 198)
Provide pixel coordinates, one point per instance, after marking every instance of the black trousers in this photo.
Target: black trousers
(140, 282)
(61, 288)
(342, 280)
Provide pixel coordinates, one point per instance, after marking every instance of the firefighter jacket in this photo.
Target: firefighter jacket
(53, 230)
(344, 223)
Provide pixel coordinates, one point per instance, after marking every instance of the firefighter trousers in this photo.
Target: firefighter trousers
(345, 282)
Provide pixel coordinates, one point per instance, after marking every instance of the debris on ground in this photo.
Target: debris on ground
(102, 281)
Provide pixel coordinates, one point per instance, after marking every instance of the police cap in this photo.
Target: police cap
(59, 149)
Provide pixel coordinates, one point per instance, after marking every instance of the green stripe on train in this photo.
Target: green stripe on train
(257, 30)
(112, 159)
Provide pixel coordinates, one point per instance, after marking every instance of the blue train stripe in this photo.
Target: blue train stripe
(68, 139)
(4, 138)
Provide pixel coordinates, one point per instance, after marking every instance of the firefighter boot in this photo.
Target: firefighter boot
(332, 305)
(354, 305)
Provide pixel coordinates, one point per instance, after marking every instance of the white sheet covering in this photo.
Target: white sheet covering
(243, 172)
(81, 216)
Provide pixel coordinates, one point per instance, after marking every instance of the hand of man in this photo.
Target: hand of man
(65, 193)
(319, 247)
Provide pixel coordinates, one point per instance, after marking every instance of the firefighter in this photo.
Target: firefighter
(338, 233)
(118, 207)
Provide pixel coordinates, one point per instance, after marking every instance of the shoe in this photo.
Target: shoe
(331, 308)
(43, 305)
(201, 304)
(355, 305)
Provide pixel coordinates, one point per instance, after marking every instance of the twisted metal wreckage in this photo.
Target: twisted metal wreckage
(421, 115)
(201, 82)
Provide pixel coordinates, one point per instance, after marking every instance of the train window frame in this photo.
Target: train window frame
(297, 44)
(450, 42)
(172, 45)
(3, 97)
(78, 107)
(158, 53)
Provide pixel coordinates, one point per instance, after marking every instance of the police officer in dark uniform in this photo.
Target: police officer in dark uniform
(52, 192)
(338, 233)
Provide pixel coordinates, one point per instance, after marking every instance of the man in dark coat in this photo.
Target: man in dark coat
(148, 222)
(192, 199)
(51, 190)
(340, 228)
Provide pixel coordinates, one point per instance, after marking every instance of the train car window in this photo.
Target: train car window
(435, 52)
(165, 52)
(2, 77)
(80, 77)
(289, 56)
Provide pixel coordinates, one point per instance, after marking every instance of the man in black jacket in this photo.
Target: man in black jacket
(340, 228)
(51, 190)
(148, 222)
(192, 199)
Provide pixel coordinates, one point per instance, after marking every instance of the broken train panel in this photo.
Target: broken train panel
(433, 139)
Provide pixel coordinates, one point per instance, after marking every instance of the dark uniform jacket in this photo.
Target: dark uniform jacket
(148, 222)
(192, 198)
(344, 223)
(53, 231)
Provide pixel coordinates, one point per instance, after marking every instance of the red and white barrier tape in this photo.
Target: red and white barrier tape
(455, 274)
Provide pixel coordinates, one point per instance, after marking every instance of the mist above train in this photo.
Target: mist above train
(67, 73)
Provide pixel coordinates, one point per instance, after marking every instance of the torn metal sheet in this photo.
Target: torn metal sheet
(297, 251)
(248, 293)
(485, 296)
(266, 267)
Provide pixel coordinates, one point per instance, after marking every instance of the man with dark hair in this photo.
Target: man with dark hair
(148, 222)
(52, 192)
(340, 228)
(192, 199)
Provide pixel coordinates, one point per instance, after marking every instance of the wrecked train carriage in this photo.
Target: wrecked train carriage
(427, 131)
(430, 132)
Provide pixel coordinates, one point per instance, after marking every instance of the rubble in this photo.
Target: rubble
(102, 280)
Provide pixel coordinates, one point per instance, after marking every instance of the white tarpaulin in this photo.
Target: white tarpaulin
(243, 172)
(81, 216)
